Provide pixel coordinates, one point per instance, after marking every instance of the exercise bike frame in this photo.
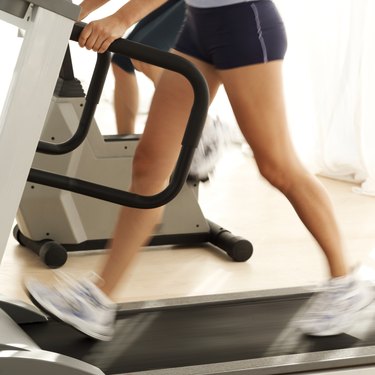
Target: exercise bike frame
(190, 139)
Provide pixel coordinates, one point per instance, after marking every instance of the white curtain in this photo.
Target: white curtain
(330, 85)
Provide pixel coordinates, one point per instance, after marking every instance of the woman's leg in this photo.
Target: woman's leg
(153, 163)
(126, 99)
(82, 304)
(126, 94)
(256, 96)
(158, 30)
(152, 72)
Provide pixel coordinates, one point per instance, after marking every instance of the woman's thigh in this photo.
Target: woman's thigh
(169, 112)
(256, 95)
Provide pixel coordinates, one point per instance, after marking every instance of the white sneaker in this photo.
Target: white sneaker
(332, 310)
(209, 150)
(79, 303)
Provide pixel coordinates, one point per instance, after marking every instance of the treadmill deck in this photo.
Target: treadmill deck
(245, 330)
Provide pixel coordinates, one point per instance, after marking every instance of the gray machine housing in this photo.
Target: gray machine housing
(71, 218)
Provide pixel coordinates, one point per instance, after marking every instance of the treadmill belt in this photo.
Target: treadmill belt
(197, 335)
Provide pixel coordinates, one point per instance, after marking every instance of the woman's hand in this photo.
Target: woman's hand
(99, 34)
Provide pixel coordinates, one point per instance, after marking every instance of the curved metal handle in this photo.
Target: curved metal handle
(190, 140)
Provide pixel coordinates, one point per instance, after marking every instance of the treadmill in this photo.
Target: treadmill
(246, 333)
(249, 333)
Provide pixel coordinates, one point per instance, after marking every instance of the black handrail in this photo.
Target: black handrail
(190, 140)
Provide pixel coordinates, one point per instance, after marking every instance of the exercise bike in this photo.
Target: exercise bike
(52, 222)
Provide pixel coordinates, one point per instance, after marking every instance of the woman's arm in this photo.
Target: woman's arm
(88, 6)
(99, 34)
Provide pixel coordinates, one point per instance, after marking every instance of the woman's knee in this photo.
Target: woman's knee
(280, 174)
(141, 169)
(147, 176)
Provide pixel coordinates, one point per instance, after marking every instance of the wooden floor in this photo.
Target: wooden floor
(239, 199)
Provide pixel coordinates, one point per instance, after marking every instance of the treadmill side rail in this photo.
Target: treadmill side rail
(43, 363)
(17, 8)
(26, 107)
(21, 22)
(64, 8)
(21, 312)
(274, 366)
(12, 336)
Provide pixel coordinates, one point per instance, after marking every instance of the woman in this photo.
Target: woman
(241, 45)
(159, 29)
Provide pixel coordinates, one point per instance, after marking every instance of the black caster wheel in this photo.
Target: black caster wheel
(17, 235)
(53, 254)
(238, 248)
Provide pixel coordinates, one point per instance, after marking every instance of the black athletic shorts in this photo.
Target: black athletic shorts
(232, 36)
(159, 30)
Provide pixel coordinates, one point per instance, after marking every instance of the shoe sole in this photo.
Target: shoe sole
(56, 318)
